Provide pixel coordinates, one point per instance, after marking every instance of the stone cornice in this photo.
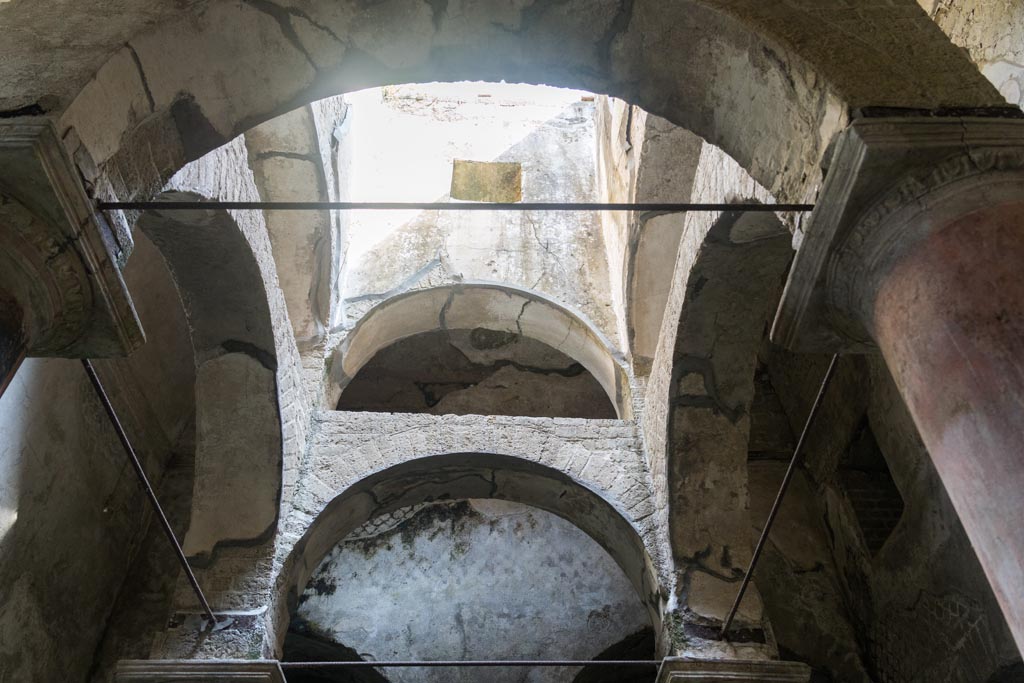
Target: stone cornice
(57, 254)
(192, 671)
(886, 175)
(676, 670)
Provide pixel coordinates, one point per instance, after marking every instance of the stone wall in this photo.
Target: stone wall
(992, 32)
(717, 179)
(602, 457)
(225, 174)
(346, 447)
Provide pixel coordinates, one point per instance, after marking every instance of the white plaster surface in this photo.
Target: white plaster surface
(405, 141)
(477, 579)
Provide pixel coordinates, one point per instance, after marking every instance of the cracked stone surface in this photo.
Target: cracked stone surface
(769, 90)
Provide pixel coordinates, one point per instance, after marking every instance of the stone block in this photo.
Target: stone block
(676, 670)
(59, 259)
(219, 671)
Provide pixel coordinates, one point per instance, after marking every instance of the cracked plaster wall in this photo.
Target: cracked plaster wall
(470, 579)
(315, 51)
(177, 89)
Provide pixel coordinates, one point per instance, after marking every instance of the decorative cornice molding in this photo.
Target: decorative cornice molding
(675, 669)
(192, 671)
(889, 181)
(58, 255)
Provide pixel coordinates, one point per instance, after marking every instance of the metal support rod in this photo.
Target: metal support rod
(471, 663)
(448, 206)
(144, 480)
(793, 464)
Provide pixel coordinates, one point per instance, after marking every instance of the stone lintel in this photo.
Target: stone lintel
(879, 166)
(58, 257)
(192, 671)
(678, 669)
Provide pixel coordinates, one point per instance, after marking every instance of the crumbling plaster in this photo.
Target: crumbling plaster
(479, 372)
(471, 579)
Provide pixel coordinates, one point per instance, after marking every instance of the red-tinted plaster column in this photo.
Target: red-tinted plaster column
(949, 320)
(916, 249)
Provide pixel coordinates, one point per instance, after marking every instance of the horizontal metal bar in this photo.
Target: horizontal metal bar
(473, 663)
(448, 206)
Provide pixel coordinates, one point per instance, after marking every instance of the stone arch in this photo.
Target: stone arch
(468, 475)
(217, 276)
(730, 293)
(238, 425)
(189, 85)
(492, 306)
(291, 160)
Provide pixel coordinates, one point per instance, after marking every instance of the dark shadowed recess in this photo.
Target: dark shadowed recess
(301, 645)
(476, 372)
